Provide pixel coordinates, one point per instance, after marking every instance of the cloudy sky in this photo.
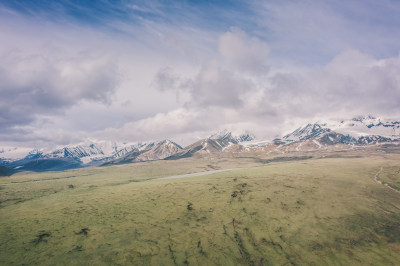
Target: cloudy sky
(141, 70)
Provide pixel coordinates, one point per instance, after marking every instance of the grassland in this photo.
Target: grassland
(390, 176)
(320, 210)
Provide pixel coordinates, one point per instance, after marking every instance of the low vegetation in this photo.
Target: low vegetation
(390, 176)
(311, 210)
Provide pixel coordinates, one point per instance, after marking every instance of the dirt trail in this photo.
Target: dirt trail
(376, 176)
(195, 174)
(380, 182)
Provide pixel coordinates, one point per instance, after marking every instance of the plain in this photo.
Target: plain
(303, 209)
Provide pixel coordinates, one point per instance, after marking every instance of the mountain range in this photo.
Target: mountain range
(359, 131)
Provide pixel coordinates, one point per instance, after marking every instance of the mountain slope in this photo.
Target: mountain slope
(146, 152)
(218, 142)
(358, 131)
(89, 151)
(307, 132)
(329, 134)
(201, 147)
(5, 171)
(367, 125)
(47, 164)
(230, 137)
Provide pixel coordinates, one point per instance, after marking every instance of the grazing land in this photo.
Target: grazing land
(306, 208)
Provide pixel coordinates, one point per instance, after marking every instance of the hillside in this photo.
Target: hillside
(4, 171)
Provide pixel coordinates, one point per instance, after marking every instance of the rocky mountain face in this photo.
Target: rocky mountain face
(84, 152)
(303, 133)
(92, 153)
(223, 141)
(359, 131)
(368, 125)
(147, 152)
(230, 137)
(201, 147)
(333, 138)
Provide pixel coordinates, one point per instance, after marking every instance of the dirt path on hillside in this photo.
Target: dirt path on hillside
(380, 182)
(195, 174)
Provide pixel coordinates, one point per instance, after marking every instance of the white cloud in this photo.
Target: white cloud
(152, 80)
(165, 79)
(312, 32)
(33, 84)
(243, 52)
(352, 82)
(216, 86)
(225, 80)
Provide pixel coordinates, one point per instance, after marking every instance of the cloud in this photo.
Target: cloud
(312, 32)
(156, 70)
(353, 82)
(40, 83)
(244, 52)
(160, 126)
(166, 79)
(216, 86)
(213, 85)
(221, 81)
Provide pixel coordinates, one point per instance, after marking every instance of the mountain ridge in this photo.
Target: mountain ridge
(358, 131)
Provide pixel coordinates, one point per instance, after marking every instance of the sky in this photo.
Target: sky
(132, 70)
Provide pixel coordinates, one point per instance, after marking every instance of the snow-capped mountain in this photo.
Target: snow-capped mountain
(9, 154)
(217, 142)
(359, 131)
(201, 147)
(304, 133)
(366, 126)
(85, 152)
(144, 152)
(90, 153)
(230, 137)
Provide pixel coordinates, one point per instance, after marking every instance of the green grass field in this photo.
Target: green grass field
(318, 211)
(391, 176)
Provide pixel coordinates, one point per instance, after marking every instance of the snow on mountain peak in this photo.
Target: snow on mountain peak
(360, 130)
(230, 137)
(367, 125)
(306, 132)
